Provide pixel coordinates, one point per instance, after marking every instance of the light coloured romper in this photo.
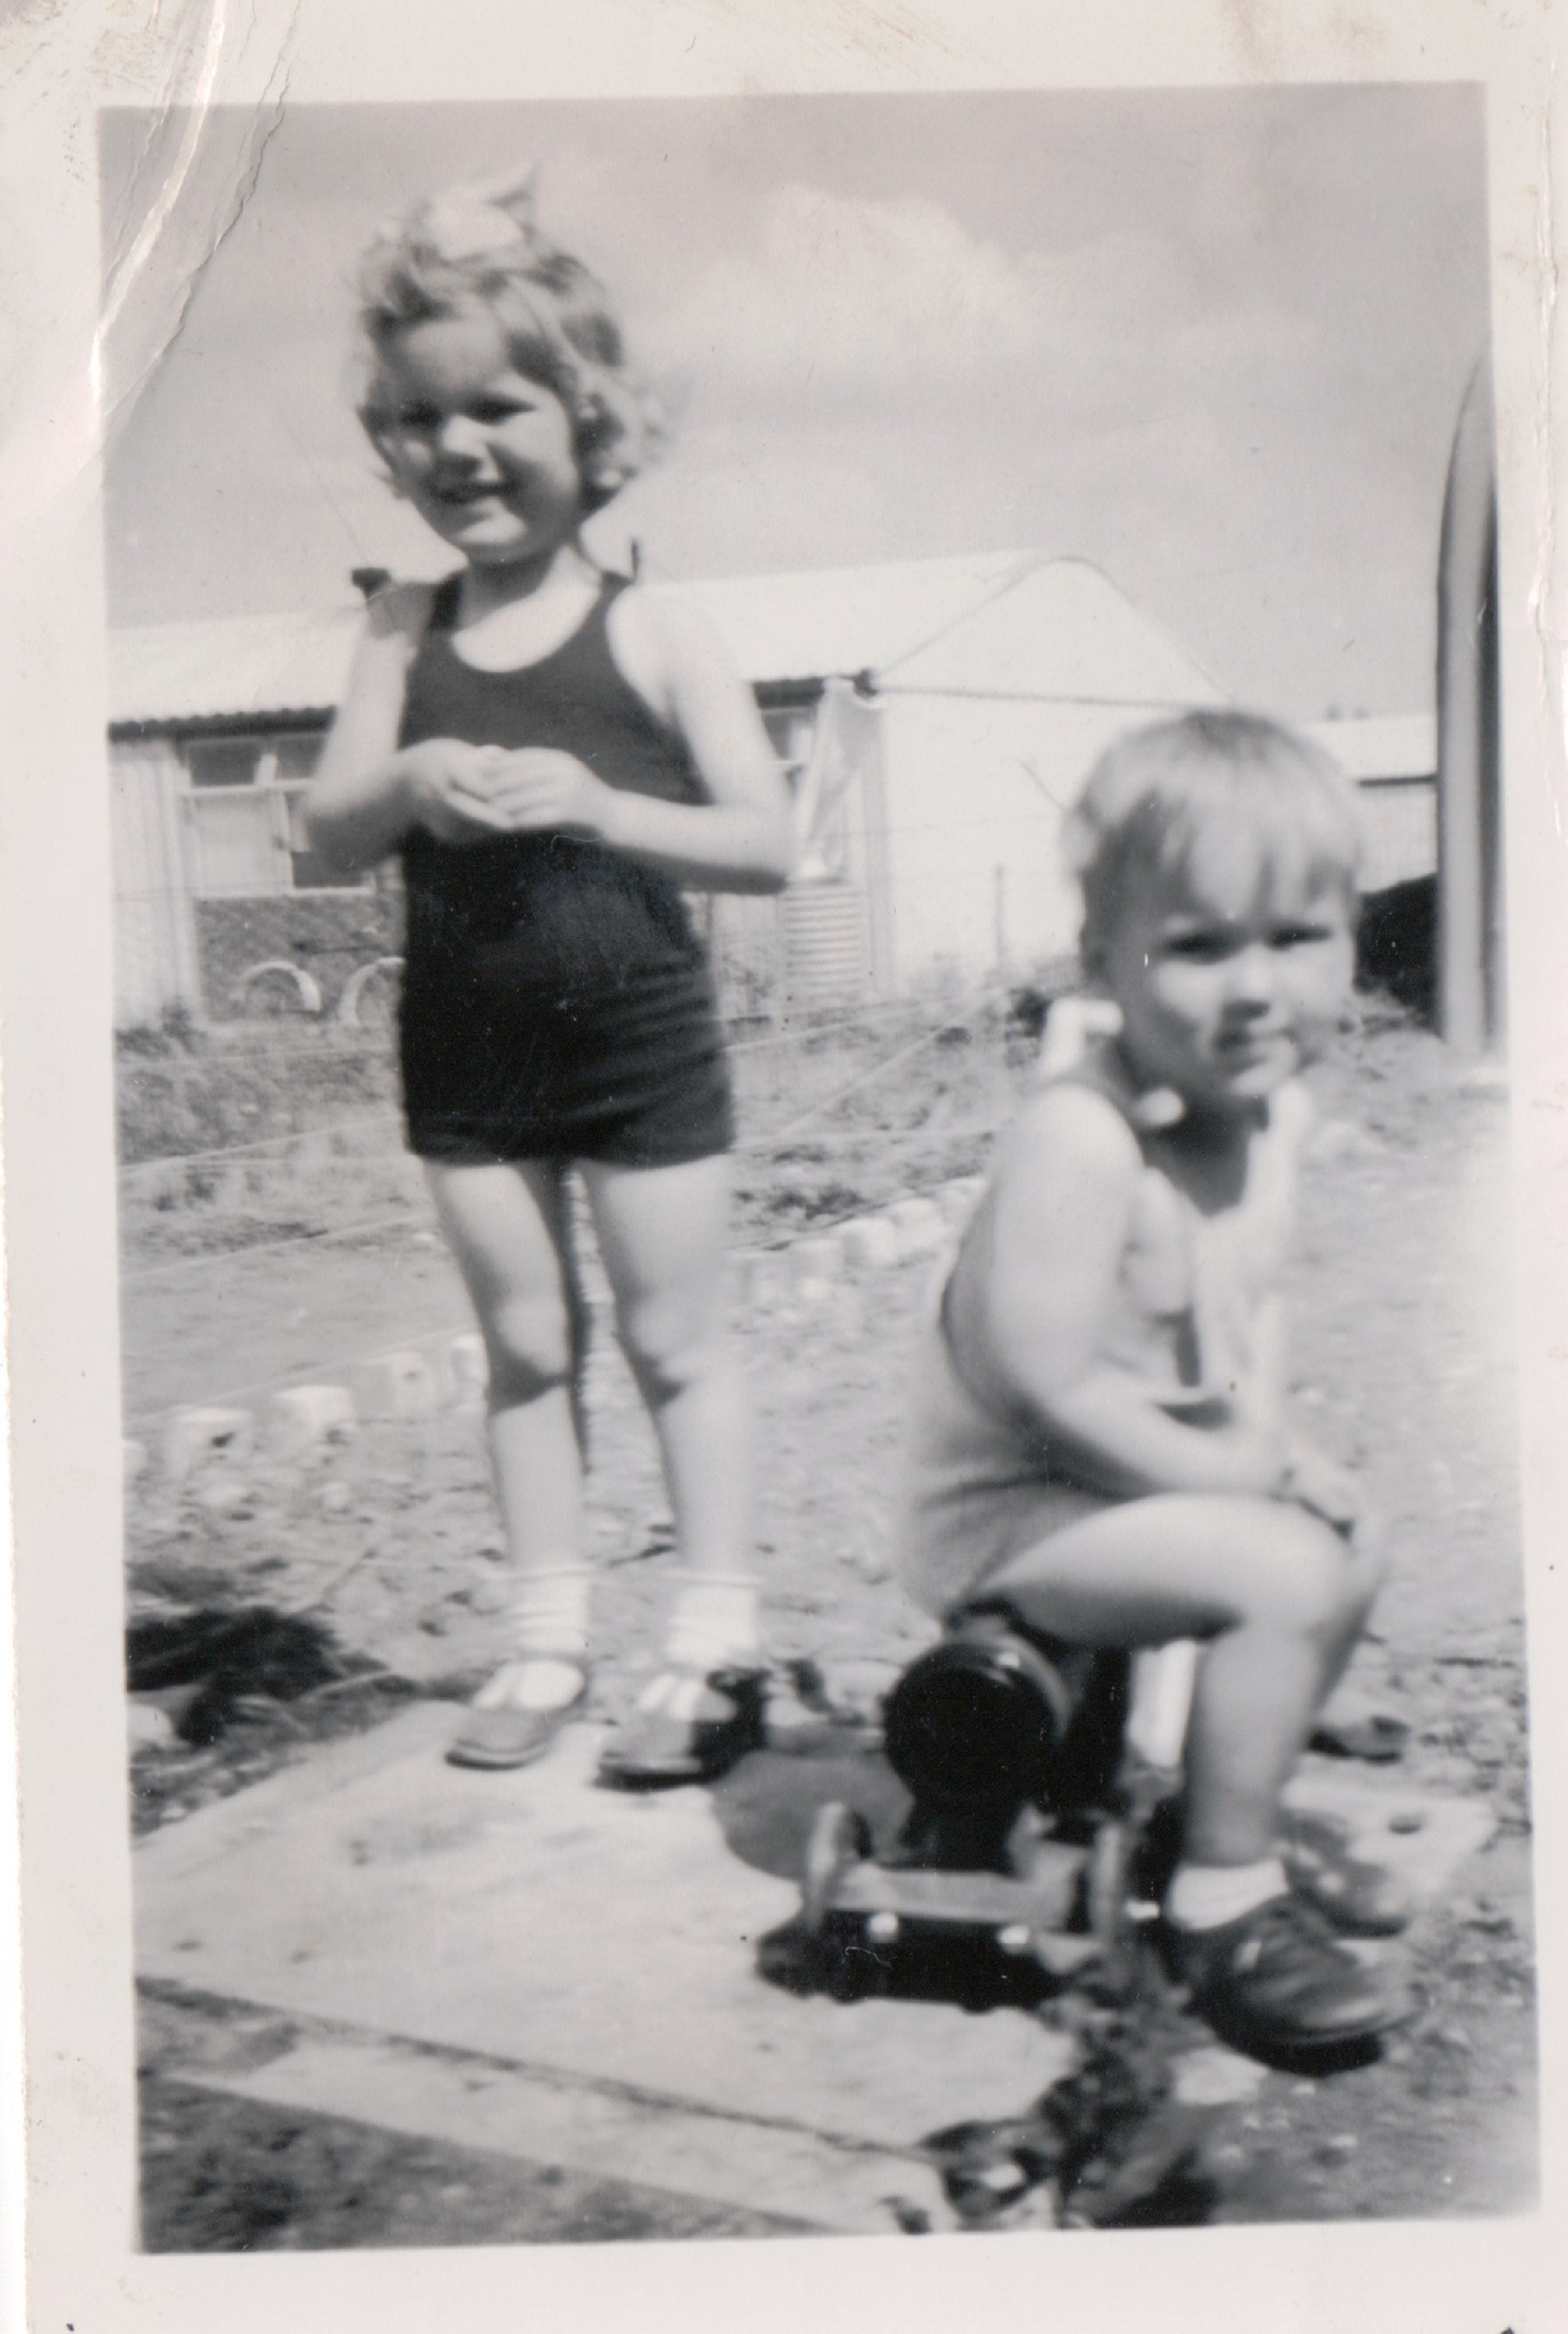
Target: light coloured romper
(979, 1487)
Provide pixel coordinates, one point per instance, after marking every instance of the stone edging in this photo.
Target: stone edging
(416, 1381)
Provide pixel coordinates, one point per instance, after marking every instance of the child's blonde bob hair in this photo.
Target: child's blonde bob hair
(478, 250)
(1207, 790)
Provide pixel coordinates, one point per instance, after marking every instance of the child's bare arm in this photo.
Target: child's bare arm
(741, 839)
(1033, 1298)
(367, 794)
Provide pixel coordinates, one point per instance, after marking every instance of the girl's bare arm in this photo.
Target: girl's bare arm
(1032, 1297)
(367, 792)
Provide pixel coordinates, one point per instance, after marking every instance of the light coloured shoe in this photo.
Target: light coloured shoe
(505, 1734)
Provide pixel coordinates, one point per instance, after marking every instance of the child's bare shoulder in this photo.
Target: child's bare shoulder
(665, 624)
(1069, 1136)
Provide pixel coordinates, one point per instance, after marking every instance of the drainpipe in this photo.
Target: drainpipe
(1469, 812)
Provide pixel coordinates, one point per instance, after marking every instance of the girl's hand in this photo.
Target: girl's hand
(446, 780)
(541, 789)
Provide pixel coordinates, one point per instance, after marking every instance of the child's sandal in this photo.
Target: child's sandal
(688, 1726)
(508, 1735)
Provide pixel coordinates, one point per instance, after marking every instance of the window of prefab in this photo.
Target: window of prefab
(791, 729)
(253, 761)
(245, 811)
(222, 761)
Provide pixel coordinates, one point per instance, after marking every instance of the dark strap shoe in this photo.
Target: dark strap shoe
(688, 1726)
(1279, 1981)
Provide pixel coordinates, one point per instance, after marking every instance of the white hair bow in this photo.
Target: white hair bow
(464, 222)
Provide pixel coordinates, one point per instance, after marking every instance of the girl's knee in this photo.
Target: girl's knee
(670, 1346)
(1311, 1578)
(533, 1347)
(1367, 1556)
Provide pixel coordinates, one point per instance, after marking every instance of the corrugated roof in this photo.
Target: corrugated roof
(1001, 620)
(222, 668)
(804, 625)
(999, 623)
(1061, 631)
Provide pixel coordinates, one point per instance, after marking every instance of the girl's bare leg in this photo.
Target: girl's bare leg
(661, 1233)
(1279, 1599)
(508, 1228)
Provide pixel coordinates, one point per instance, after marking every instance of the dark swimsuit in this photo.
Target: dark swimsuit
(556, 1001)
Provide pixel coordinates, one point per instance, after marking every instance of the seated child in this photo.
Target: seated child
(1098, 1436)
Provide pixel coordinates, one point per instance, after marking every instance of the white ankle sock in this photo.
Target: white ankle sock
(550, 1611)
(714, 1621)
(1208, 1896)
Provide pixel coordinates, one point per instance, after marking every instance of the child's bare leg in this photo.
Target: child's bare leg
(1280, 1598)
(661, 1233)
(507, 1228)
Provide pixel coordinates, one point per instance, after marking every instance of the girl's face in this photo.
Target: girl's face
(1230, 979)
(486, 456)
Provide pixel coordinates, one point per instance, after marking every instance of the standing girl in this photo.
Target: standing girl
(556, 753)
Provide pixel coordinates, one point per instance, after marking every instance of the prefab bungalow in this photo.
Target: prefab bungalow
(936, 717)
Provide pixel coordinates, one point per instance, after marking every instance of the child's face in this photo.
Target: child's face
(1228, 985)
(486, 456)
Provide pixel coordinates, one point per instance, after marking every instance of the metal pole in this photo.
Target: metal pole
(1469, 980)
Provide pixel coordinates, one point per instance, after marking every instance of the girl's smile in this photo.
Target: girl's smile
(488, 456)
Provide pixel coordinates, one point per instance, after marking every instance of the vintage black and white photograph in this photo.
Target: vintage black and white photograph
(822, 1506)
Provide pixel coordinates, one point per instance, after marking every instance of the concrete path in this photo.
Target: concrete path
(531, 1965)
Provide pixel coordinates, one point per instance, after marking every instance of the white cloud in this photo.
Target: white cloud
(845, 296)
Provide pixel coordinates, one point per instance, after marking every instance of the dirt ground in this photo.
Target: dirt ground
(1403, 1367)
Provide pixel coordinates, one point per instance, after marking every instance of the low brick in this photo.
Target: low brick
(467, 1366)
(959, 1200)
(397, 1386)
(918, 1226)
(195, 1436)
(761, 1279)
(815, 1264)
(301, 1418)
(869, 1243)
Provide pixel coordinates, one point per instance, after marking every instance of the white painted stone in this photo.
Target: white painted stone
(301, 1418)
(815, 1265)
(959, 1200)
(918, 1226)
(397, 1386)
(1214, 2077)
(220, 1492)
(760, 1278)
(195, 1436)
(149, 1728)
(869, 1243)
(467, 1366)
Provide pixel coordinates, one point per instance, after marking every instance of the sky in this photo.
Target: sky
(1215, 341)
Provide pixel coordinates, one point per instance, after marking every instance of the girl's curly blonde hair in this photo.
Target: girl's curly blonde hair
(479, 250)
